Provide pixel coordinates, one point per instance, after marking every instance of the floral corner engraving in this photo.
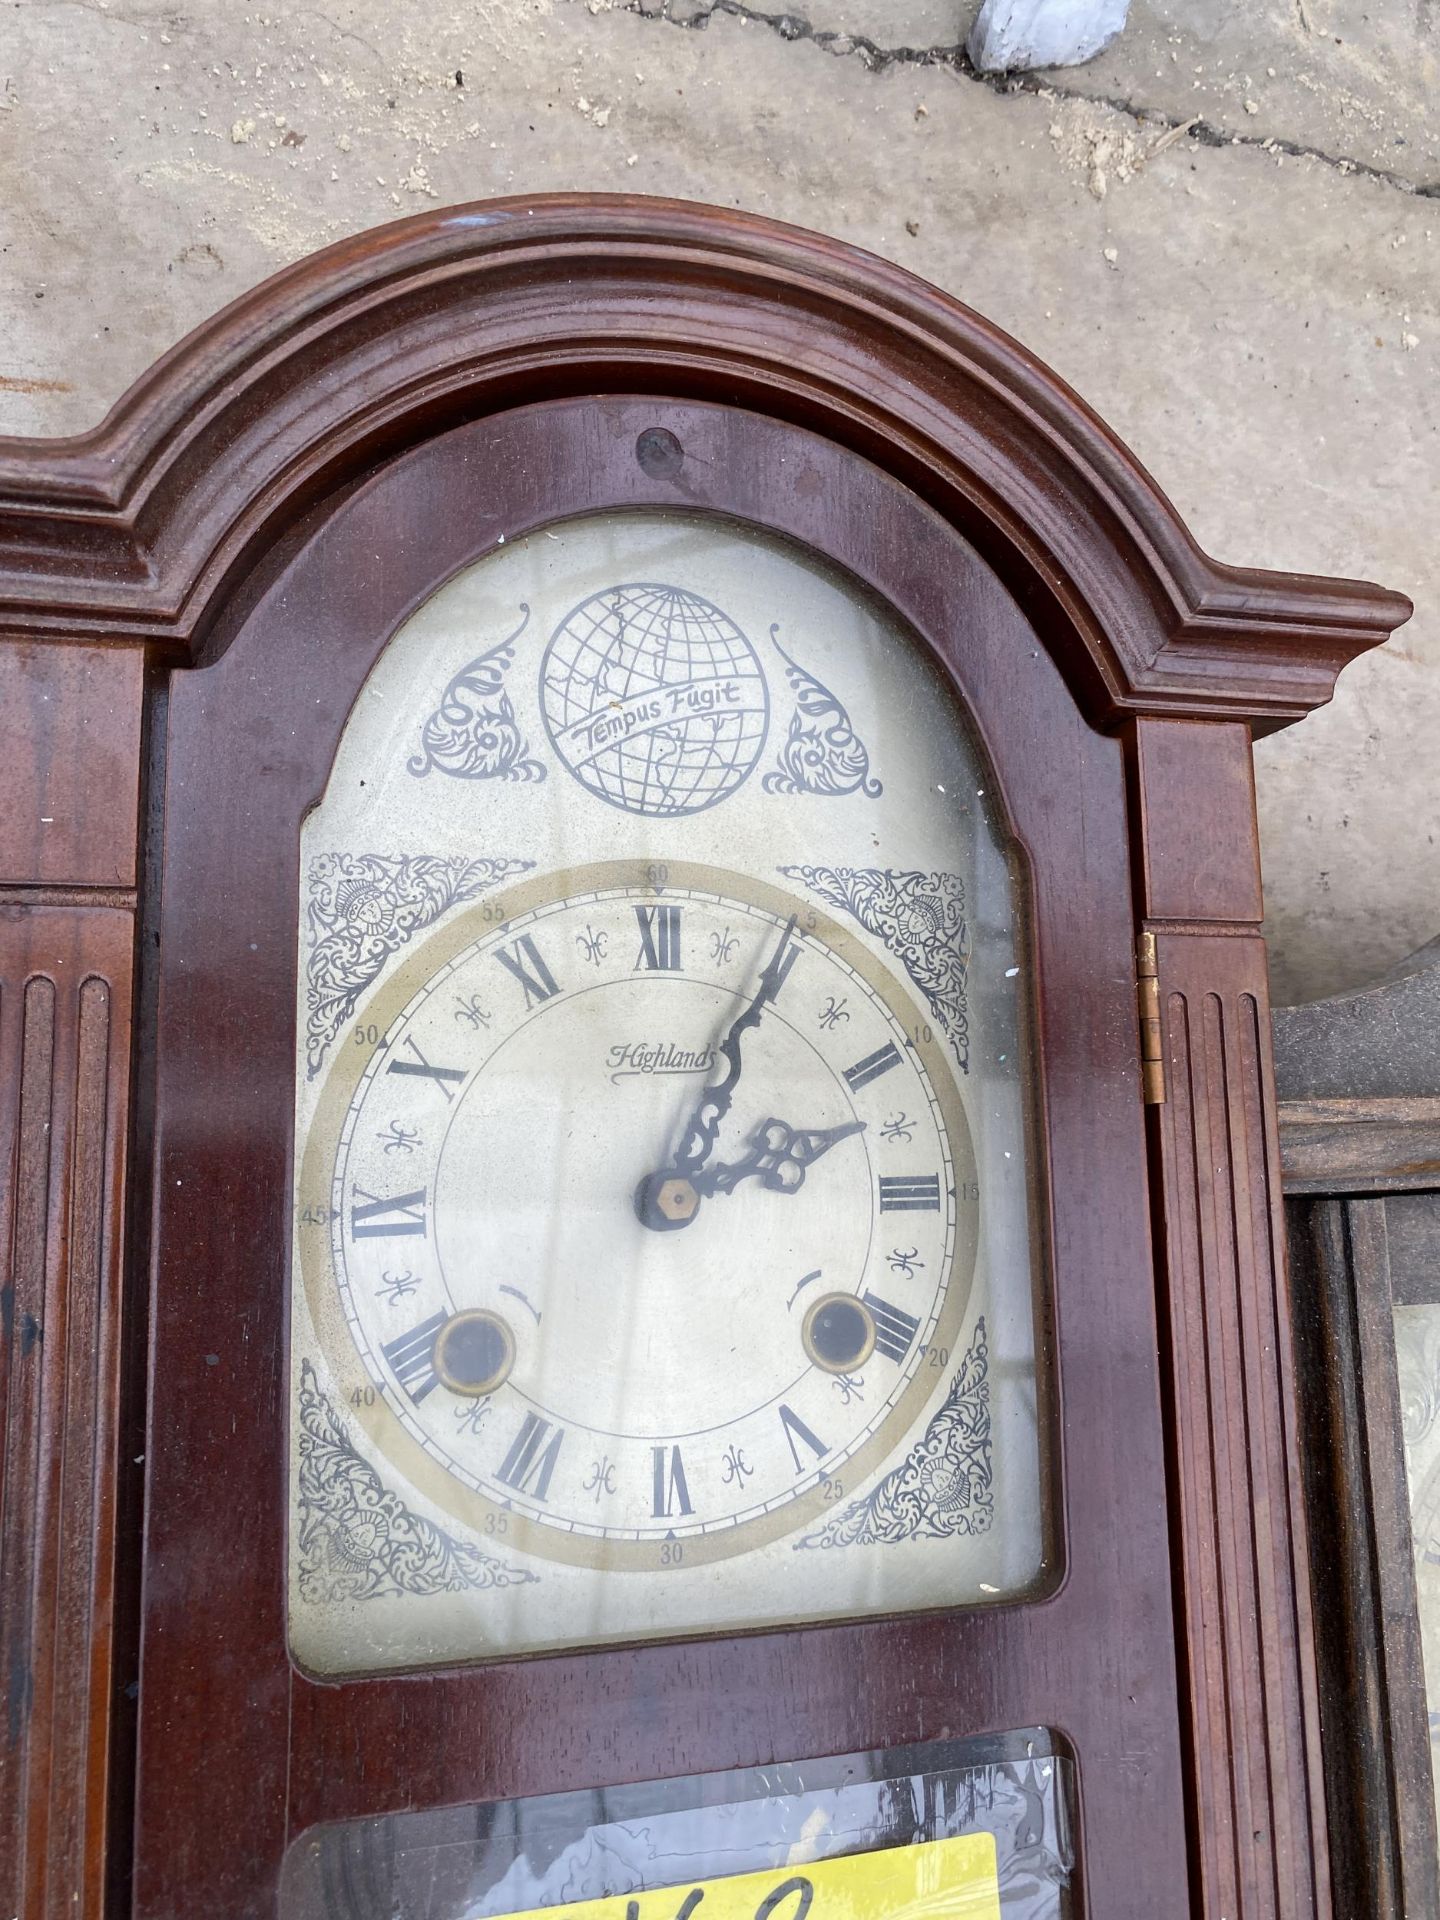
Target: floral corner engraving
(821, 752)
(943, 1487)
(359, 1541)
(363, 907)
(473, 733)
(921, 919)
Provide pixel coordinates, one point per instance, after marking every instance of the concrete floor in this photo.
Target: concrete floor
(1253, 303)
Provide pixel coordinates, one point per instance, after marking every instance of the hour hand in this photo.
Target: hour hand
(779, 1157)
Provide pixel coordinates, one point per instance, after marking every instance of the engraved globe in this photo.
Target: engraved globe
(654, 699)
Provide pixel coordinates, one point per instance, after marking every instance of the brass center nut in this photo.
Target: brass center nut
(677, 1199)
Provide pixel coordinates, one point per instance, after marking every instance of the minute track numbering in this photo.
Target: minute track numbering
(573, 1303)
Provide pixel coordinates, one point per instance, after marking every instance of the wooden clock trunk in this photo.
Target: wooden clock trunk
(190, 600)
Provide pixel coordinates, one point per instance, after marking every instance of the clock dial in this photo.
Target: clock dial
(665, 1212)
(647, 1210)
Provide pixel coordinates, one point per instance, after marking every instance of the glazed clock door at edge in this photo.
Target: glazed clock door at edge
(531, 1411)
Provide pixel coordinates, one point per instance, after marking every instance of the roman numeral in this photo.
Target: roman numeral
(796, 1429)
(412, 1356)
(659, 937)
(528, 1465)
(372, 1219)
(909, 1193)
(442, 1076)
(894, 1330)
(872, 1066)
(670, 1484)
(522, 958)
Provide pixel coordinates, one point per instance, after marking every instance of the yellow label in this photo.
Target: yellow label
(942, 1880)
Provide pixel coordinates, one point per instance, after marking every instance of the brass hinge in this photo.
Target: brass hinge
(1152, 1051)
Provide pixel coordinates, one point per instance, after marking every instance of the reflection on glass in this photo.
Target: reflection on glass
(666, 1255)
(1417, 1351)
(482, 1862)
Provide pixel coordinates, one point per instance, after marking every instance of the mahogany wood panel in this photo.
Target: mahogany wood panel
(1242, 1578)
(1095, 1659)
(65, 983)
(136, 530)
(69, 763)
(1200, 859)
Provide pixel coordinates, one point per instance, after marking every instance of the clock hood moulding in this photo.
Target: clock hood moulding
(139, 530)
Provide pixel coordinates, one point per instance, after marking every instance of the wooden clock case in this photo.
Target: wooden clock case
(190, 598)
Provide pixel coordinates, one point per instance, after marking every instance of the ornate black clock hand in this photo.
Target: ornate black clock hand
(778, 1158)
(700, 1135)
(657, 1191)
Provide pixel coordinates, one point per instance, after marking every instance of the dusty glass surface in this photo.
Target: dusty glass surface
(664, 1204)
(1417, 1352)
(481, 1862)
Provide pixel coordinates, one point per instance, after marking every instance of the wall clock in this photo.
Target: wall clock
(579, 879)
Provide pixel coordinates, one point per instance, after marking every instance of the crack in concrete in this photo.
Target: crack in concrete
(346, 33)
(954, 59)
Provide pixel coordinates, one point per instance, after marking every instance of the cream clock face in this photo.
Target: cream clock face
(664, 1253)
(609, 1209)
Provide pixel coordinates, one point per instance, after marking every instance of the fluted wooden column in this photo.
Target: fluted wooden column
(70, 725)
(1259, 1839)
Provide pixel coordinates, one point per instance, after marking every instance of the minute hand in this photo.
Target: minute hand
(695, 1149)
